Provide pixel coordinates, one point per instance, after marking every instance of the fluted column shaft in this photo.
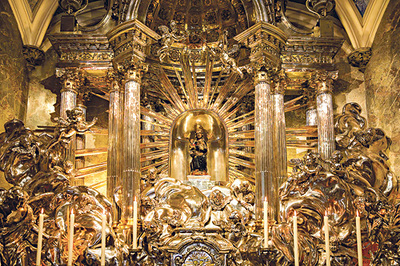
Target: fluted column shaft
(68, 101)
(311, 116)
(131, 148)
(114, 164)
(264, 145)
(82, 98)
(71, 79)
(279, 137)
(326, 137)
(323, 83)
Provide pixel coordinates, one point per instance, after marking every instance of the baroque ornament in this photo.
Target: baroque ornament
(185, 226)
(360, 57)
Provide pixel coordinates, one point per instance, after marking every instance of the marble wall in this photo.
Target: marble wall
(41, 100)
(350, 85)
(13, 72)
(382, 81)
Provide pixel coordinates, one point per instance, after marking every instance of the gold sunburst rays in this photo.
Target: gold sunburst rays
(185, 88)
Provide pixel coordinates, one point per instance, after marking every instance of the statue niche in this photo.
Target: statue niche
(198, 147)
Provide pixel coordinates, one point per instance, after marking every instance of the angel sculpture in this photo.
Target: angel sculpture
(168, 38)
(225, 54)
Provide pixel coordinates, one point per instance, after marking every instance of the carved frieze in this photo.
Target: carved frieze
(310, 52)
(82, 49)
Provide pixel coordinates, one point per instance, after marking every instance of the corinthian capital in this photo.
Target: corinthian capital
(132, 69)
(71, 78)
(114, 79)
(322, 81)
(279, 81)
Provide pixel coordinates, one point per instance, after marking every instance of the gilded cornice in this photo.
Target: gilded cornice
(266, 42)
(82, 49)
(131, 39)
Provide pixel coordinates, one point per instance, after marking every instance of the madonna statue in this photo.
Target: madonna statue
(198, 152)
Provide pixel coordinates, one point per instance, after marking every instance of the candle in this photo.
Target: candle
(71, 238)
(103, 239)
(134, 229)
(326, 227)
(359, 243)
(296, 240)
(265, 223)
(40, 238)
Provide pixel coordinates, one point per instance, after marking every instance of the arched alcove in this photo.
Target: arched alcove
(182, 134)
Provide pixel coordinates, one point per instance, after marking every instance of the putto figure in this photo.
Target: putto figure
(168, 38)
(198, 152)
(224, 53)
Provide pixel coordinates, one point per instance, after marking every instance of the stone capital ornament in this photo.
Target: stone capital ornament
(33, 56)
(279, 81)
(360, 57)
(114, 79)
(322, 81)
(132, 70)
(72, 78)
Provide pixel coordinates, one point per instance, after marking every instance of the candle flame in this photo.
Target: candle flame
(326, 213)
(72, 211)
(358, 213)
(265, 199)
(295, 213)
(42, 211)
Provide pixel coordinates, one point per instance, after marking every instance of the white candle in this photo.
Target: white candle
(296, 240)
(359, 243)
(40, 239)
(134, 229)
(103, 239)
(326, 227)
(265, 223)
(71, 238)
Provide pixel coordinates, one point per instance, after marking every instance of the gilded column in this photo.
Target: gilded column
(131, 133)
(264, 159)
(266, 43)
(279, 82)
(130, 42)
(82, 98)
(311, 113)
(71, 79)
(115, 117)
(322, 81)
